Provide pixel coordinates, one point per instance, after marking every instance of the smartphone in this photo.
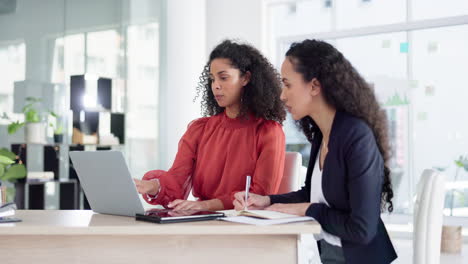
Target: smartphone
(9, 220)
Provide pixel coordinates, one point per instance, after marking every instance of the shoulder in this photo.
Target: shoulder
(270, 127)
(198, 124)
(351, 127)
(354, 136)
(195, 129)
(270, 133)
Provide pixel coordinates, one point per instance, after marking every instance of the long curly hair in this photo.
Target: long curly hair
(345, 89)
(261, 96)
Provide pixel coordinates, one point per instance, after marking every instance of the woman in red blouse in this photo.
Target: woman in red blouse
(241, 135)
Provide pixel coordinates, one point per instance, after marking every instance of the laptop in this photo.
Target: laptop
(107, 182)
(109, 187)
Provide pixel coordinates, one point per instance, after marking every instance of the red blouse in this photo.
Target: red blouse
(217, 153)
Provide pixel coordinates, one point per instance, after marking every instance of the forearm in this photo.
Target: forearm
(292, 197)
(155, 187)
(213, 205)
(356, 228)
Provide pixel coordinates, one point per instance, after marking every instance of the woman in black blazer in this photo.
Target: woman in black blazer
(348, 179)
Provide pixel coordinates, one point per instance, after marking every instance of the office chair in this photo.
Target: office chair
(291, 176)
(428, 217)
(292, 173)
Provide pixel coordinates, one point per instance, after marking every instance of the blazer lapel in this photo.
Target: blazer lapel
(331, 150)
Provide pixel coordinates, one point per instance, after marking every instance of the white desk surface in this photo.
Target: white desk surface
(86, 222)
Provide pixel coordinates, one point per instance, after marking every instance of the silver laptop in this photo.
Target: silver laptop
(107, 182)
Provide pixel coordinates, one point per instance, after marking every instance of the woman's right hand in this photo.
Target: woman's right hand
(254, 201)
(150, 187)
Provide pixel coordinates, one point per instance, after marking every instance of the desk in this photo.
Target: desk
(81, 236)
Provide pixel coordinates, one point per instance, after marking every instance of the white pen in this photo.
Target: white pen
(247, 187)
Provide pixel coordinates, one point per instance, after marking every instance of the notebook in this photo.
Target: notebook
(264, 214)
(262, 217)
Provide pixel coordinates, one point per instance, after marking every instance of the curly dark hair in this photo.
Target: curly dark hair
(261, 96)
(345, 89)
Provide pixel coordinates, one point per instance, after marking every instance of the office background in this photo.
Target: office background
(412, 51)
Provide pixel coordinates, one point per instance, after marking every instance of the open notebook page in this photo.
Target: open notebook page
(262, 217)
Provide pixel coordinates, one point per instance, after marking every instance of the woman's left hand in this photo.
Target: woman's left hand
(187, 205)
(291, 208)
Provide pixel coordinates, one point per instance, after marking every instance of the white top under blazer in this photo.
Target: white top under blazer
(316, 196)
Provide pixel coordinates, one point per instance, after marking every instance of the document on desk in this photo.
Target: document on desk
(262, 217)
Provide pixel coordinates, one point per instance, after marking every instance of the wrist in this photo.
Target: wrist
(267, 201)
(206, 205)
(212, 205)
(306, 207)
(155, 189)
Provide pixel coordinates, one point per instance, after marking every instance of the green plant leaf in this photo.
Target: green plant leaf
(32, 116)
(27, 107)
(13, 127)
(15, 172)
(5, 152)
(10, 194)
(5, 160)
(58, 130)
(31, 113)
(2, 173)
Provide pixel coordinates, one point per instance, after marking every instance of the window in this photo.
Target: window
(69, 58)
(109, 53)
(142, 92)
(380, 61)
(286, 19)
(427, 9)
(416, 60)
(94, 52)
(362, 13)
(440, 60)
(103, 53)
(12, 68)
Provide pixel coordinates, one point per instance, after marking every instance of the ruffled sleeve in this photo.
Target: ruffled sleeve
(176, 183)
(270, 152)
(270, 164)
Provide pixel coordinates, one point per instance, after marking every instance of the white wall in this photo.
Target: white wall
(182, 59)
(240, 19)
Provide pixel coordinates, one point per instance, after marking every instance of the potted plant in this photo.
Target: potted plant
(58, 134)
(10, 172)
(33, 122)
(452, 239)
(57, 127)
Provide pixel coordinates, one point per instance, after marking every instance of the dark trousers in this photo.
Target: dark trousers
(330, 254)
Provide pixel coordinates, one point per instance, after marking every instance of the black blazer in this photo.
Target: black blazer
(352, 180)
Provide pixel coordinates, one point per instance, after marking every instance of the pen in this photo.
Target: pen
(247, 187)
